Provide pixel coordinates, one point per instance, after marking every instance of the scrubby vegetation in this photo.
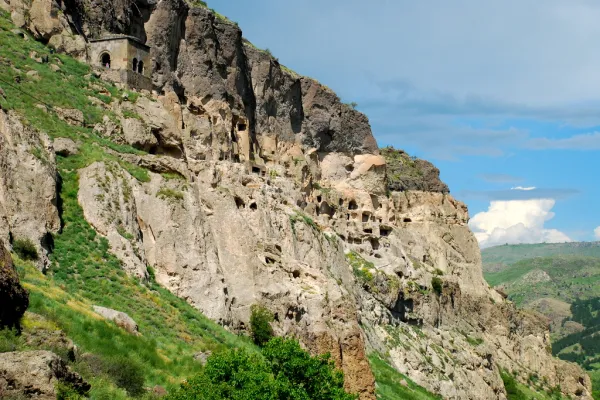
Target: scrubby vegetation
(437, 285)
(260, 325)
(25, 249)
(282, 371)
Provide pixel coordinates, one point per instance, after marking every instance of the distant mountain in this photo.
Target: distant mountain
(561, 281)
(497, 258)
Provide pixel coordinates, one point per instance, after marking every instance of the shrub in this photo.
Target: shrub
(64, 391)
(437, 285)
(284, 371)
(25, 249)
(126, 374)
(10, 340)
(170, 194)
(260, 325)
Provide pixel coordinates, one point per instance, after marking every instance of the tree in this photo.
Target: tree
(260, 325)
(282, 372)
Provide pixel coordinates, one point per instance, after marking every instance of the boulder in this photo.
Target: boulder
(120, 318)
(70, 116)
(137, 134)
(65, 147)
(35, 374)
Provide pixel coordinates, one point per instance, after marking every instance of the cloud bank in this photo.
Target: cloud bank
(597, 233)
(516, 221)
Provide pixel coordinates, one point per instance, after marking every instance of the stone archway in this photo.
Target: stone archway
(105, 60)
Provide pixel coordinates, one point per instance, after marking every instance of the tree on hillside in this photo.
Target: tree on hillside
(282, 372)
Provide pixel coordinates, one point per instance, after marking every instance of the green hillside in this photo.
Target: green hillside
(499, 257)
(562, 281)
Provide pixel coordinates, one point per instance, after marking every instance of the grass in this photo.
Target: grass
(389, 383)
(170, 194)
(362, 268)
(303, 218)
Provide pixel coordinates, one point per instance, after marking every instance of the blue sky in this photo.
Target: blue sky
(498, 94)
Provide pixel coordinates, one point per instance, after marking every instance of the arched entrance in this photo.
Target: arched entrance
(135, 64)
(141, 67)
(105, 60)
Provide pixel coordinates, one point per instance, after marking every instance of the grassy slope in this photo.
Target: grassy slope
(389, 386)
(571, 277)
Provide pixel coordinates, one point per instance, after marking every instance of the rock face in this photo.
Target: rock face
(265, 189)
(28, 183)
(13, 297)
(34, 374)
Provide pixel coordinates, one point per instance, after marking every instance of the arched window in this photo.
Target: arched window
(105, 60)
(141, 67)
(135, 64)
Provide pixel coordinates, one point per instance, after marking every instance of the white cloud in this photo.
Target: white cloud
(597, 233)
(527, 189)
(516, 221)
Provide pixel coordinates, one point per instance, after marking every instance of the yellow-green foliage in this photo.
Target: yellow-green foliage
(361, 267)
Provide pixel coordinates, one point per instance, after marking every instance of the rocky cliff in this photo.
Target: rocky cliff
(264, 188)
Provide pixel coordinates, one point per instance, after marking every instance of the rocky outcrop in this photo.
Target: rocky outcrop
(28, 183)
(411, 173)
(13, 297)
(34, 374)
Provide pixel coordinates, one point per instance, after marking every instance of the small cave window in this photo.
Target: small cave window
(140, 67)
(349, 167)
(352, 205)
(375, 244)
(241, 127)
(253, 207)
(296, 274)
(385, 231)
(365, 217)
(319, 199)
(407, 220)
(105, 60)
(256, 170)
(135, 65)
(269, 260)
(239, 202)
(341, 202)
(368, 230)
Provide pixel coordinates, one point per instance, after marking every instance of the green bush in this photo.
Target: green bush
(437, 285)
(284, 371)
(10, 340)
(66, 392)
(25, 249)
(126, 374)
(260, 325)
(512, 389)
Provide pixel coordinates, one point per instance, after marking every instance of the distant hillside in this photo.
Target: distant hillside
(561, 281)
(499, 257)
